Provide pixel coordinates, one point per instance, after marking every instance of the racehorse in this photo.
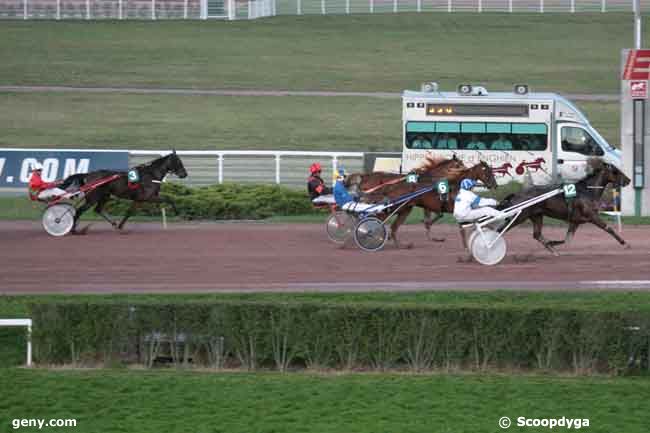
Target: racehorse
(580, 210)
(146, 189)
(431, 169)
(431, 200)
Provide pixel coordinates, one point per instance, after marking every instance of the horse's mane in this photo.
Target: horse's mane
(429, 163)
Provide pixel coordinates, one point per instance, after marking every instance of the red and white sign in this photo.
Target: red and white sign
(639, 89)
(637, 65)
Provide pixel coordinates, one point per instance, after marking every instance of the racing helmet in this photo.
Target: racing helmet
(37, 166)
(314, 168)
(467, 184)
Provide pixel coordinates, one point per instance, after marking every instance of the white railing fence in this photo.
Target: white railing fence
(280, 167)
(23, 323)
(250, 9)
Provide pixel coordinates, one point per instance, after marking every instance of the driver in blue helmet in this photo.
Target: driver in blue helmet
(344, 199)
(469, 206)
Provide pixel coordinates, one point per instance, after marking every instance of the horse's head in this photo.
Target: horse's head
(616, 176)
(607, 173)
(176, 165)
(483, 172)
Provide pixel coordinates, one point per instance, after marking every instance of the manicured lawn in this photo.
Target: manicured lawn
(130, 401)
(384, 52)
(126, 121)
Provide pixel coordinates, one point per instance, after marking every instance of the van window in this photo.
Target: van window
(504, 136)
(579, 141)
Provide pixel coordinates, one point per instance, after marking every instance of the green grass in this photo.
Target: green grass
(384, 52)
(130, 401)
(125, 121)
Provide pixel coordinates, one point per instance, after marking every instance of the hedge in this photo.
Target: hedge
(254, 335)
(226, 201)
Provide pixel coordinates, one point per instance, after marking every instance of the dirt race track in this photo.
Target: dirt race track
(298, 257)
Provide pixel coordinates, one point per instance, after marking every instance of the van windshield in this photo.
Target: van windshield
(599, 139)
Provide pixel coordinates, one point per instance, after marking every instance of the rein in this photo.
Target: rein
(381, 185)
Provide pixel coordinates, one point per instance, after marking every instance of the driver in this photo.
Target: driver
(471, 207)
(344, 199)
(41, 189)
(318, 191)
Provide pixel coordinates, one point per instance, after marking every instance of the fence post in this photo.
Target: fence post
(87, 9)
(541, 6)
(322, 7)
(510, 6)
(58, 9)
(573, 6)
(449, 6)
(480, 6)
(220, 165)
(603, 6)
(153, 9)
(335, 164)
(232, 10)
(298, 7)
(119, 10)
(372, 6)
(395, 6)
(277, 169)
(250, 9)
(347, 7)
(185, 10)
(419, 5)
(24, 9)
(29, 345)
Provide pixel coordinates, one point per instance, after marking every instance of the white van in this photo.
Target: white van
(541, 136)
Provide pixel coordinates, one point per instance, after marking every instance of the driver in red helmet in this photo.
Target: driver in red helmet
(319, 193)
(41, 189)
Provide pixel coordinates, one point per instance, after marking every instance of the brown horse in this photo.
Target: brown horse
(582, 209)
(430, 200)
(431, 169)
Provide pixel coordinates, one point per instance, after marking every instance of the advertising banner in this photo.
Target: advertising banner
(16, 164)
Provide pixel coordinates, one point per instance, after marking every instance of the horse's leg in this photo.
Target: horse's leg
(428, 222)
(77, 215)
(538, 224)
(401, 217)
(595, 220)
(573, 227)
(99, 210)
(126, 216)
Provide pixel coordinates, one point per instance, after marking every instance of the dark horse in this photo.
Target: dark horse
(582, 209)
(431, 200)
(146, 189)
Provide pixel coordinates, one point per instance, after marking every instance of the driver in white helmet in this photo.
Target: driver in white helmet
(39, 188)
(470, 207)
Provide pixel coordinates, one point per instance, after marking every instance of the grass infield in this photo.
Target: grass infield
(170, 401)
(384, 52)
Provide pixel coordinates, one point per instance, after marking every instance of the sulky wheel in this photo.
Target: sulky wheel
(339, 226)
(370, 234)
(487, 247)
(58, 220)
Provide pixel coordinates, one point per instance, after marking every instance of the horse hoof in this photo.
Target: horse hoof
(123, 232)
(82, 231)
(627, 246)
(465, 259)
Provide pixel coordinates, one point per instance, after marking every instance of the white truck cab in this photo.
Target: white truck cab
(541, 136)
